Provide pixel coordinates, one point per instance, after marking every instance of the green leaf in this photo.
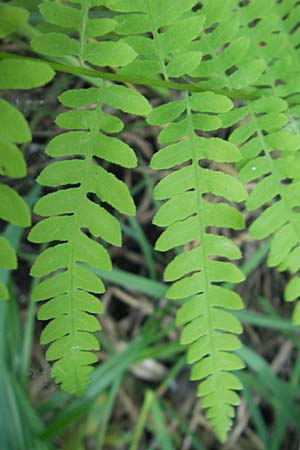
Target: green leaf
(61, 15)
(184, 64)
(292, 290)
(12, 18)
(14, 126)
(72, 217)
(107, 53)
(13, 208)
(108, 148)
(166, 113)
(182, 33)
(80, 97)
(12, 163)
(210, 102)
(113, 191)
(8, 258)
(127, 100)
(100, 27)
(24, 74)
(208, 328)
(83, 119)
(55, 44)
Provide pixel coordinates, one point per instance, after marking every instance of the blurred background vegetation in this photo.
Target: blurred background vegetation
(140, 397)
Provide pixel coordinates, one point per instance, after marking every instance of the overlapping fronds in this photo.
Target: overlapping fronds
(269, 134)
(271, 159)
(160, 33)
(274, 33)
(226, 62)
(171, 49)
(248, 50)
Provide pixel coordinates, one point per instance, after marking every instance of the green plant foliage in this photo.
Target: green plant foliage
(227, 62)
(187, 214)
(69, 213)
(277, 187)
(14, 131)
(269, 135)
(73, 214)
(12, 17)
(165, 52)
(56, 43)
(215, 51)
(16, 74)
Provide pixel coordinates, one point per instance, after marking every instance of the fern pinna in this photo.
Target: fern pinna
(73, 213)
(209, 329)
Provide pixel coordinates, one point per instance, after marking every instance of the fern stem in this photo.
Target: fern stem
(86, 72)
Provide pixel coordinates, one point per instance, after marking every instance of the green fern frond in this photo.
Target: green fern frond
(208, 327)
(274, 35)
(73, 214)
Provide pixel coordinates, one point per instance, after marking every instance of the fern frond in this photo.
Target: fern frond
(275, 38)
(75, 213)
(71, 213)
(208, 327)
